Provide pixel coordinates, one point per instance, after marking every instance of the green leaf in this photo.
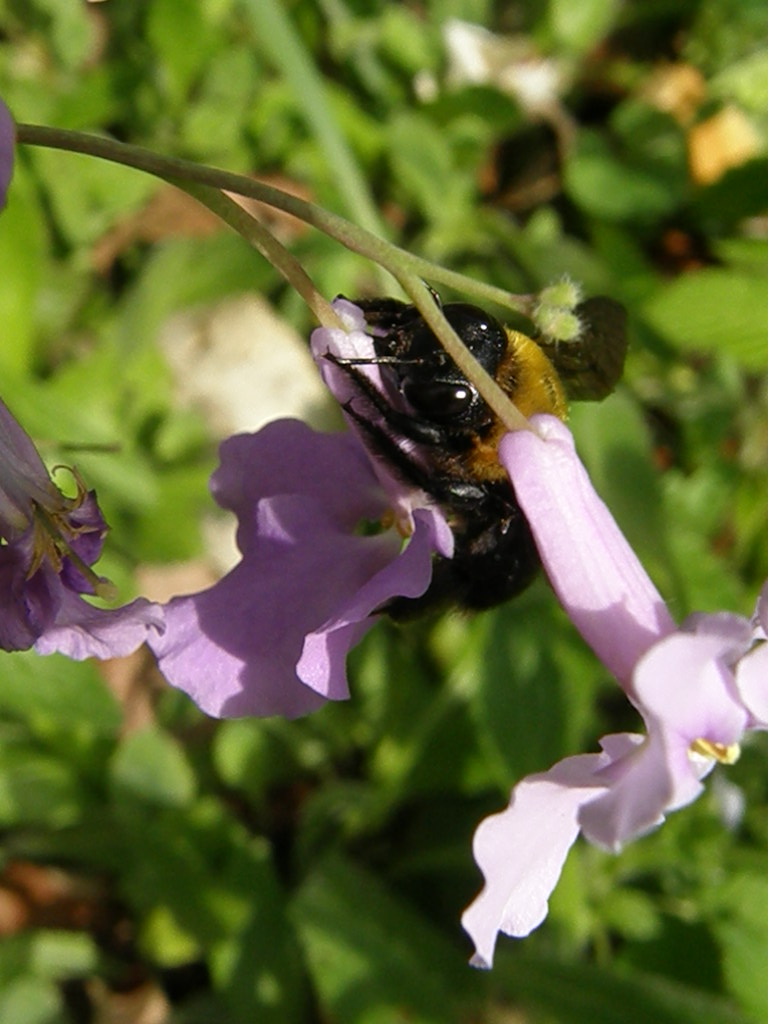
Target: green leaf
(716, 310)
(30, 1001)
(745, 81)
(579, 992)
(741, 192)
(747, 255)
(519, 704)
(423, 165)
(580, 26)
(87, 195)
(36, 788)
(251, 756)
(56, 693)
(183, 38)
(47, 953)
(406, 40)
(603, 185)
(151, 766)
(258, 968)
(741, 926)
(178, 274)
(373, 959)
(71, 31)
(22, 254)
(213, 124)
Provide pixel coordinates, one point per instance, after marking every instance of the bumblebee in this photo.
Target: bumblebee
(435, 432)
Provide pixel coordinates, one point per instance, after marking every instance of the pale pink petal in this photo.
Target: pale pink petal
(640, 787)
(351, 343)
(322, 662)
(234, 647)
(23, 477)
(752, 683)
(355, 344)
(685, 693)
(685, 682)
(84, 631)
(734, 631)
(593, 570)
(521, 850)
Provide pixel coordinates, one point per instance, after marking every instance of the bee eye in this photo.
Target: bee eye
(439, 400)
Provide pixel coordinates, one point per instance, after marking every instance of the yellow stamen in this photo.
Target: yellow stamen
(720, 752)
(387, 520)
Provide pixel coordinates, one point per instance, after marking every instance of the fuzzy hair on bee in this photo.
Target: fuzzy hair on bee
(435, 432)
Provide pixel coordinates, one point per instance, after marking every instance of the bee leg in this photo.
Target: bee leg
(402, 422)
(442, 487)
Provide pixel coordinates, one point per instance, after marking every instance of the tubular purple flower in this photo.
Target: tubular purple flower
(698, 688)
(49, 543)
(271, 637)
(593, 570)
(7, 144)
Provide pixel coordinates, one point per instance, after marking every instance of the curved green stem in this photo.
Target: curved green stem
(490, 391)
(254, 232)
(405, 267)
(391, 257)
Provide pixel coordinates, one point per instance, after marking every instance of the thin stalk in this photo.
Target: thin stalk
(490, 391)
(405, 267)
(254, 232)
(358, 240)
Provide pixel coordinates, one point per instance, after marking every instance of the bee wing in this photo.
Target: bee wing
(591, 366)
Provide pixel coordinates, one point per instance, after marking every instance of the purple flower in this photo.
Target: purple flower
(49, 543)
(271, 637)
(7, 143)
(698, 689)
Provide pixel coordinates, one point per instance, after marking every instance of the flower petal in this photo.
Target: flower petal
(593, 570)
(81, 630)
(640, 787)
(322, 660)
(288, 457)
(685, 692)
(350, 343)
(88, 530)
(752, 683)
(354, 343)
(684, 681)
(23, 477)
(734, 631)
(234, 647)
(521, 851)
(29, 603)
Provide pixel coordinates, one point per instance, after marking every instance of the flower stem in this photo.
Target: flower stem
(254, 232)
(404, 266)
(365, 243)
(490, 391)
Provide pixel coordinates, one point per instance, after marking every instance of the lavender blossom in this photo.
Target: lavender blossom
(49, 543)
(698, 688)
(271, 637)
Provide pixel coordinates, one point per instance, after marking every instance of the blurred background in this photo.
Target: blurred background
(157, 866)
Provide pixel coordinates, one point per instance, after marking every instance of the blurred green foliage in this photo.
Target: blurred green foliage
(316, 870)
